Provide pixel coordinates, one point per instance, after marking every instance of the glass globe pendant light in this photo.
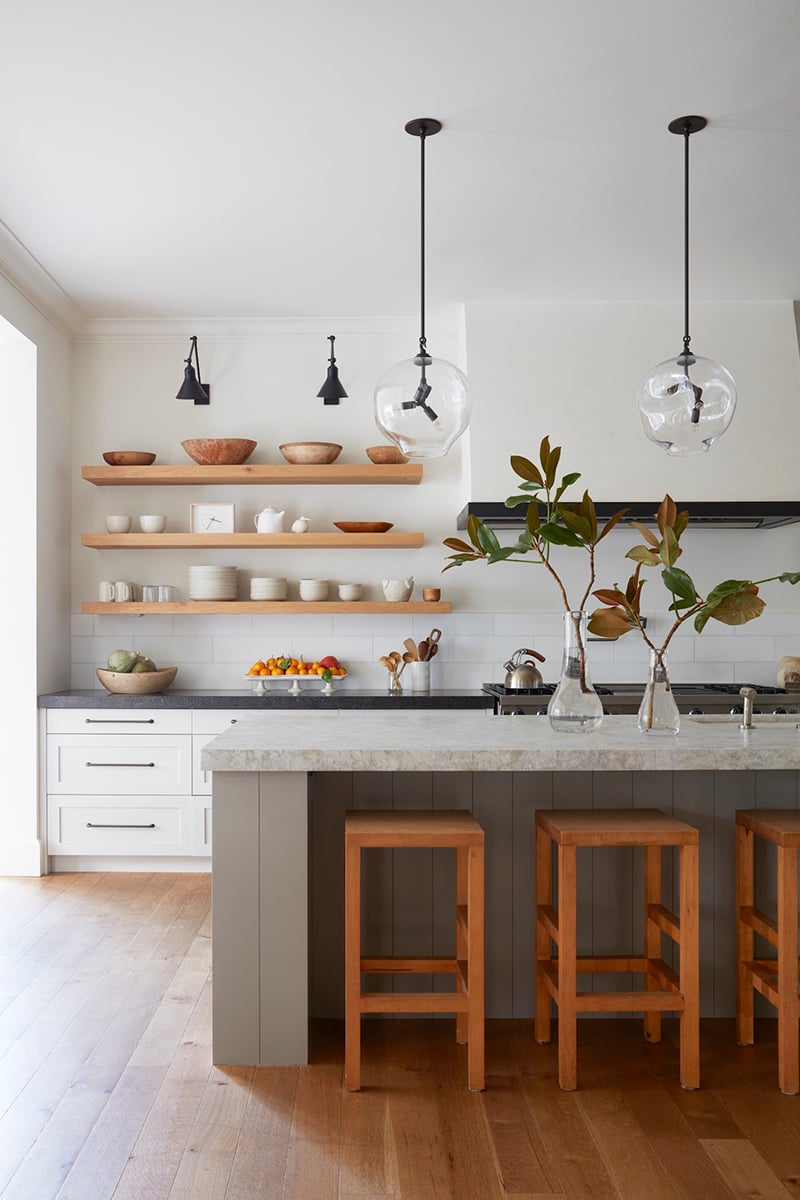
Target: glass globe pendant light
(423, 403)
(687, 402)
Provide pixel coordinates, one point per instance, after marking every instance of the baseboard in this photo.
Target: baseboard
(23, 858)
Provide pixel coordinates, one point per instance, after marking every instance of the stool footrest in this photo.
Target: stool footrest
(422, 965)
(629, 1002)
(548, 918)
(414, 1002)
(665, 920)
(763, 924)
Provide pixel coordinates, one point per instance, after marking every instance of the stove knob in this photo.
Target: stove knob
(695, 712)
(779, 711)
(541, 712)
(517, 712)
(736, 711)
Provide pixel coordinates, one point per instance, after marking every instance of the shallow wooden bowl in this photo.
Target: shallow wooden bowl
(143, 683)
(363, 526)
(129, 458)
(219, 452)
(386, 454)
(310, 452)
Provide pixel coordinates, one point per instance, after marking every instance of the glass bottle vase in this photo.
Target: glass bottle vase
(658, 712)
(575, 706)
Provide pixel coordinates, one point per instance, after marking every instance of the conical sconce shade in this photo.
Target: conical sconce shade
(332, 390)
(192, 388)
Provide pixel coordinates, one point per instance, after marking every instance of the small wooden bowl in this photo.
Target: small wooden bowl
(141, 683)
(310, 452)
(386, 454)
(218, 452)
(363, 526)
(129, 458)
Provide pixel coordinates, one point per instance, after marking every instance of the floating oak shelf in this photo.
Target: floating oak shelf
(266, 473)
(136, 608)
(257, 541)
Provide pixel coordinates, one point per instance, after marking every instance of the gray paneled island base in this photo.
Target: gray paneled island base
(281, 786)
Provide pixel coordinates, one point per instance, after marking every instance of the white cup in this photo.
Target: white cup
(349, 591)
(118, 524)
(152, 524)
(123, 592)
(313, 589)
(105, 590)
(166, 593)
(420, 676)
(149, 593)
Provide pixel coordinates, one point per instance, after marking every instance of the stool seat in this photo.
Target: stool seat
(456, 829)
(776, 978)
(556, 975)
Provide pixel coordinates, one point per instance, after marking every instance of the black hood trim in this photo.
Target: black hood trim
(735, 514)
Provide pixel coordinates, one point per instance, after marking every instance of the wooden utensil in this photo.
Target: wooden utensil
(411, 647)
(422, 650)
(434, 650)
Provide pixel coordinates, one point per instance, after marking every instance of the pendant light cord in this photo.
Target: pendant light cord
(686, 335)
(423, 350)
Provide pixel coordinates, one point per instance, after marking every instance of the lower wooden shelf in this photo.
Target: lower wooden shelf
(140, 608)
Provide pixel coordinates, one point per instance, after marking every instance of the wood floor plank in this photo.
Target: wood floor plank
(744, 1170)
(514, 1137)
(312, 1170)
(205, 1165)
(571, 1156)
(260, 1161)
(317, 1115)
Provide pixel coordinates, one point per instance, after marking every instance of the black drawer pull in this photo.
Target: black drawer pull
(119, 721)
(90, 764)
(92, 825)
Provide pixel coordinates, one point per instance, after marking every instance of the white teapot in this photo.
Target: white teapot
(269, 520)
(398, 589)
(301, 525)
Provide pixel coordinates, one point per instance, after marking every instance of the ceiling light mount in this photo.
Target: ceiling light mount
(685, 413)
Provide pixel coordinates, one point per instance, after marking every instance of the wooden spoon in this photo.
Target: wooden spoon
(411, 647)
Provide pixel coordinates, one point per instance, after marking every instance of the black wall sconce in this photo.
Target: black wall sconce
(192, 387)
(332, 391)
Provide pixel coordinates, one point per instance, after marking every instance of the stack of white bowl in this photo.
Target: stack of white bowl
(265, 588)
(313, 589)
(212, 583)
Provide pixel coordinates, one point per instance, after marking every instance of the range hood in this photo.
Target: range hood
(735, 514)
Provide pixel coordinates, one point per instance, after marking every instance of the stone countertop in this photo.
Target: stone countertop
(273, 701)
(473, 741)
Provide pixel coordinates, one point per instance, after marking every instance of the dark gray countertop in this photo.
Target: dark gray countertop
(176, 698)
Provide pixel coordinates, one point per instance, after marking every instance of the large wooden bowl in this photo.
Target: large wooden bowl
(141, 683)
(218, 452)
(310, 452)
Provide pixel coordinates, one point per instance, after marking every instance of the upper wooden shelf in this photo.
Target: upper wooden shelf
(266, 473)
(260, 541)
(179, 607)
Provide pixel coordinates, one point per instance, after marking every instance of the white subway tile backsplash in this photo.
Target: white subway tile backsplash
(529, 625)
(754, 649)
(167, 651)
(452, 624)
(755, 672)
(135, 625)
(348, 649)
(787, 645)
(372, 623)
(714, 649)
(216, 624)
(82, 625)
(83, 675)
(96, 650)
(271, 625)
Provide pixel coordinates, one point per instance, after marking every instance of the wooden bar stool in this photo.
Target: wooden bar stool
(665, 991)
(426, 829)
(775, 978)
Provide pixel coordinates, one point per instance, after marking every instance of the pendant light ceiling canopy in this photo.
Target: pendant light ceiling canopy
(423, 403)
(687, 402)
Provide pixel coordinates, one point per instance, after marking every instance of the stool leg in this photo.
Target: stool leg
(745, 896)
(652, 934)
(690, 966)
(475, 951)
(543, 950)
(567, 973)
(352, 968)
(788, 1065)
(462, 948)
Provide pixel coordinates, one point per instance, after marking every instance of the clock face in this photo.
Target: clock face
(211, 518)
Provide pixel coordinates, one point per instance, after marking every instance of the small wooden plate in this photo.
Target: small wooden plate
(364, 526)
(129, 458)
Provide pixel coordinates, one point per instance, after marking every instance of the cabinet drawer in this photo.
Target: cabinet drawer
(201, 780)
(120, 764)
(107, 825)
(212, 721)
(118, 720)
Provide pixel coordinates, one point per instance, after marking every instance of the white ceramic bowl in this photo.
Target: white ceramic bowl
(350, 591)
(116, 523)
(151, 523)
(313, 589)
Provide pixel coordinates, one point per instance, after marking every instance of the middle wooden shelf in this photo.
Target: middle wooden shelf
(254, 541)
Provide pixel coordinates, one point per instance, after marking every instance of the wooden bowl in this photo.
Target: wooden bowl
(363, 526)
(386, 454)
(129, 458)
(310, 452)
(218, 452)
(141, 683)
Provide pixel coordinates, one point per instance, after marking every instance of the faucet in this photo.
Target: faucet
(748, 695)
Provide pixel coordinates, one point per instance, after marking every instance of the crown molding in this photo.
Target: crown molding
(256, 329)
(28, 277)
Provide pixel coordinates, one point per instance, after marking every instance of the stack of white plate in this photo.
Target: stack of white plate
(212, 583)
(268, 589)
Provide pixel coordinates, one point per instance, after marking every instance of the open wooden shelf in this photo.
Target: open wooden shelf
(256, 541)
(266, 473)
(135, 607)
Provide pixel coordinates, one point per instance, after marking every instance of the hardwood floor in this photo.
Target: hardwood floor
(107, 1091)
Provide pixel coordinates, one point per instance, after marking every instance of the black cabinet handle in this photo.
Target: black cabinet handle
(93, 825)
(91, 764)
(119, 721)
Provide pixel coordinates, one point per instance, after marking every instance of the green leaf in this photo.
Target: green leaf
(499, 555)
(729, 587)
(473, 524)
(487, 539)
(544, 453)
(551, 466)
(789, 577)
(569, 479)
(641, 554)
(558, 536)
(579, 524)
(609, 623)
(532, 521)
(669, 549)
(457, 544)
(733, 608)
(459, 559)
(679, 583)
(525, 540)
(590, 513)
(513, 501)
(526, 470)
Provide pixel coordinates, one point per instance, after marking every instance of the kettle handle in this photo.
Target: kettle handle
(535, 654)
(516, 658)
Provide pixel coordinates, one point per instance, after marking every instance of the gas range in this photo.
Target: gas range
(626, 697)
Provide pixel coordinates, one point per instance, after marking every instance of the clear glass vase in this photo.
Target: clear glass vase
(658, 712)
(575, 706)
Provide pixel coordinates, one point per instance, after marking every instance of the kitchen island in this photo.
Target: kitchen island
(276, 779)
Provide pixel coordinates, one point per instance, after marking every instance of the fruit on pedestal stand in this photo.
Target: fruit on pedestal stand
(329, 662)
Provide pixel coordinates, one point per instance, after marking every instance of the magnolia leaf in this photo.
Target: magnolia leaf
(457, 544)
(633, 591)
(526, 470)
(641, 554)
(789, 577)
(728, 587)
(551, 466)
(513, 501)
(646, 533)
(612, 596)
(667, 514)
(588, 511)
(544, 453)
(532, 519)
(487, 539)
(609, 623)
(611, 522)
(557, 535)
(473, 525)
(738, 608)
(681, 586)
(568, 480)
(681, 521)
(459, 559)
(577, 523)
(669, 549)
(499, 555)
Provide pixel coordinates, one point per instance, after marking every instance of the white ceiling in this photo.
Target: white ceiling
(248, 158)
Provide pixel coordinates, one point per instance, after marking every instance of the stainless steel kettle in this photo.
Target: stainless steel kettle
(521, 674)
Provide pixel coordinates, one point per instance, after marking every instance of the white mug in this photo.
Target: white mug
(152, 523)
(118, 524)
(105, 590)
(149, 593)
(122, 592)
